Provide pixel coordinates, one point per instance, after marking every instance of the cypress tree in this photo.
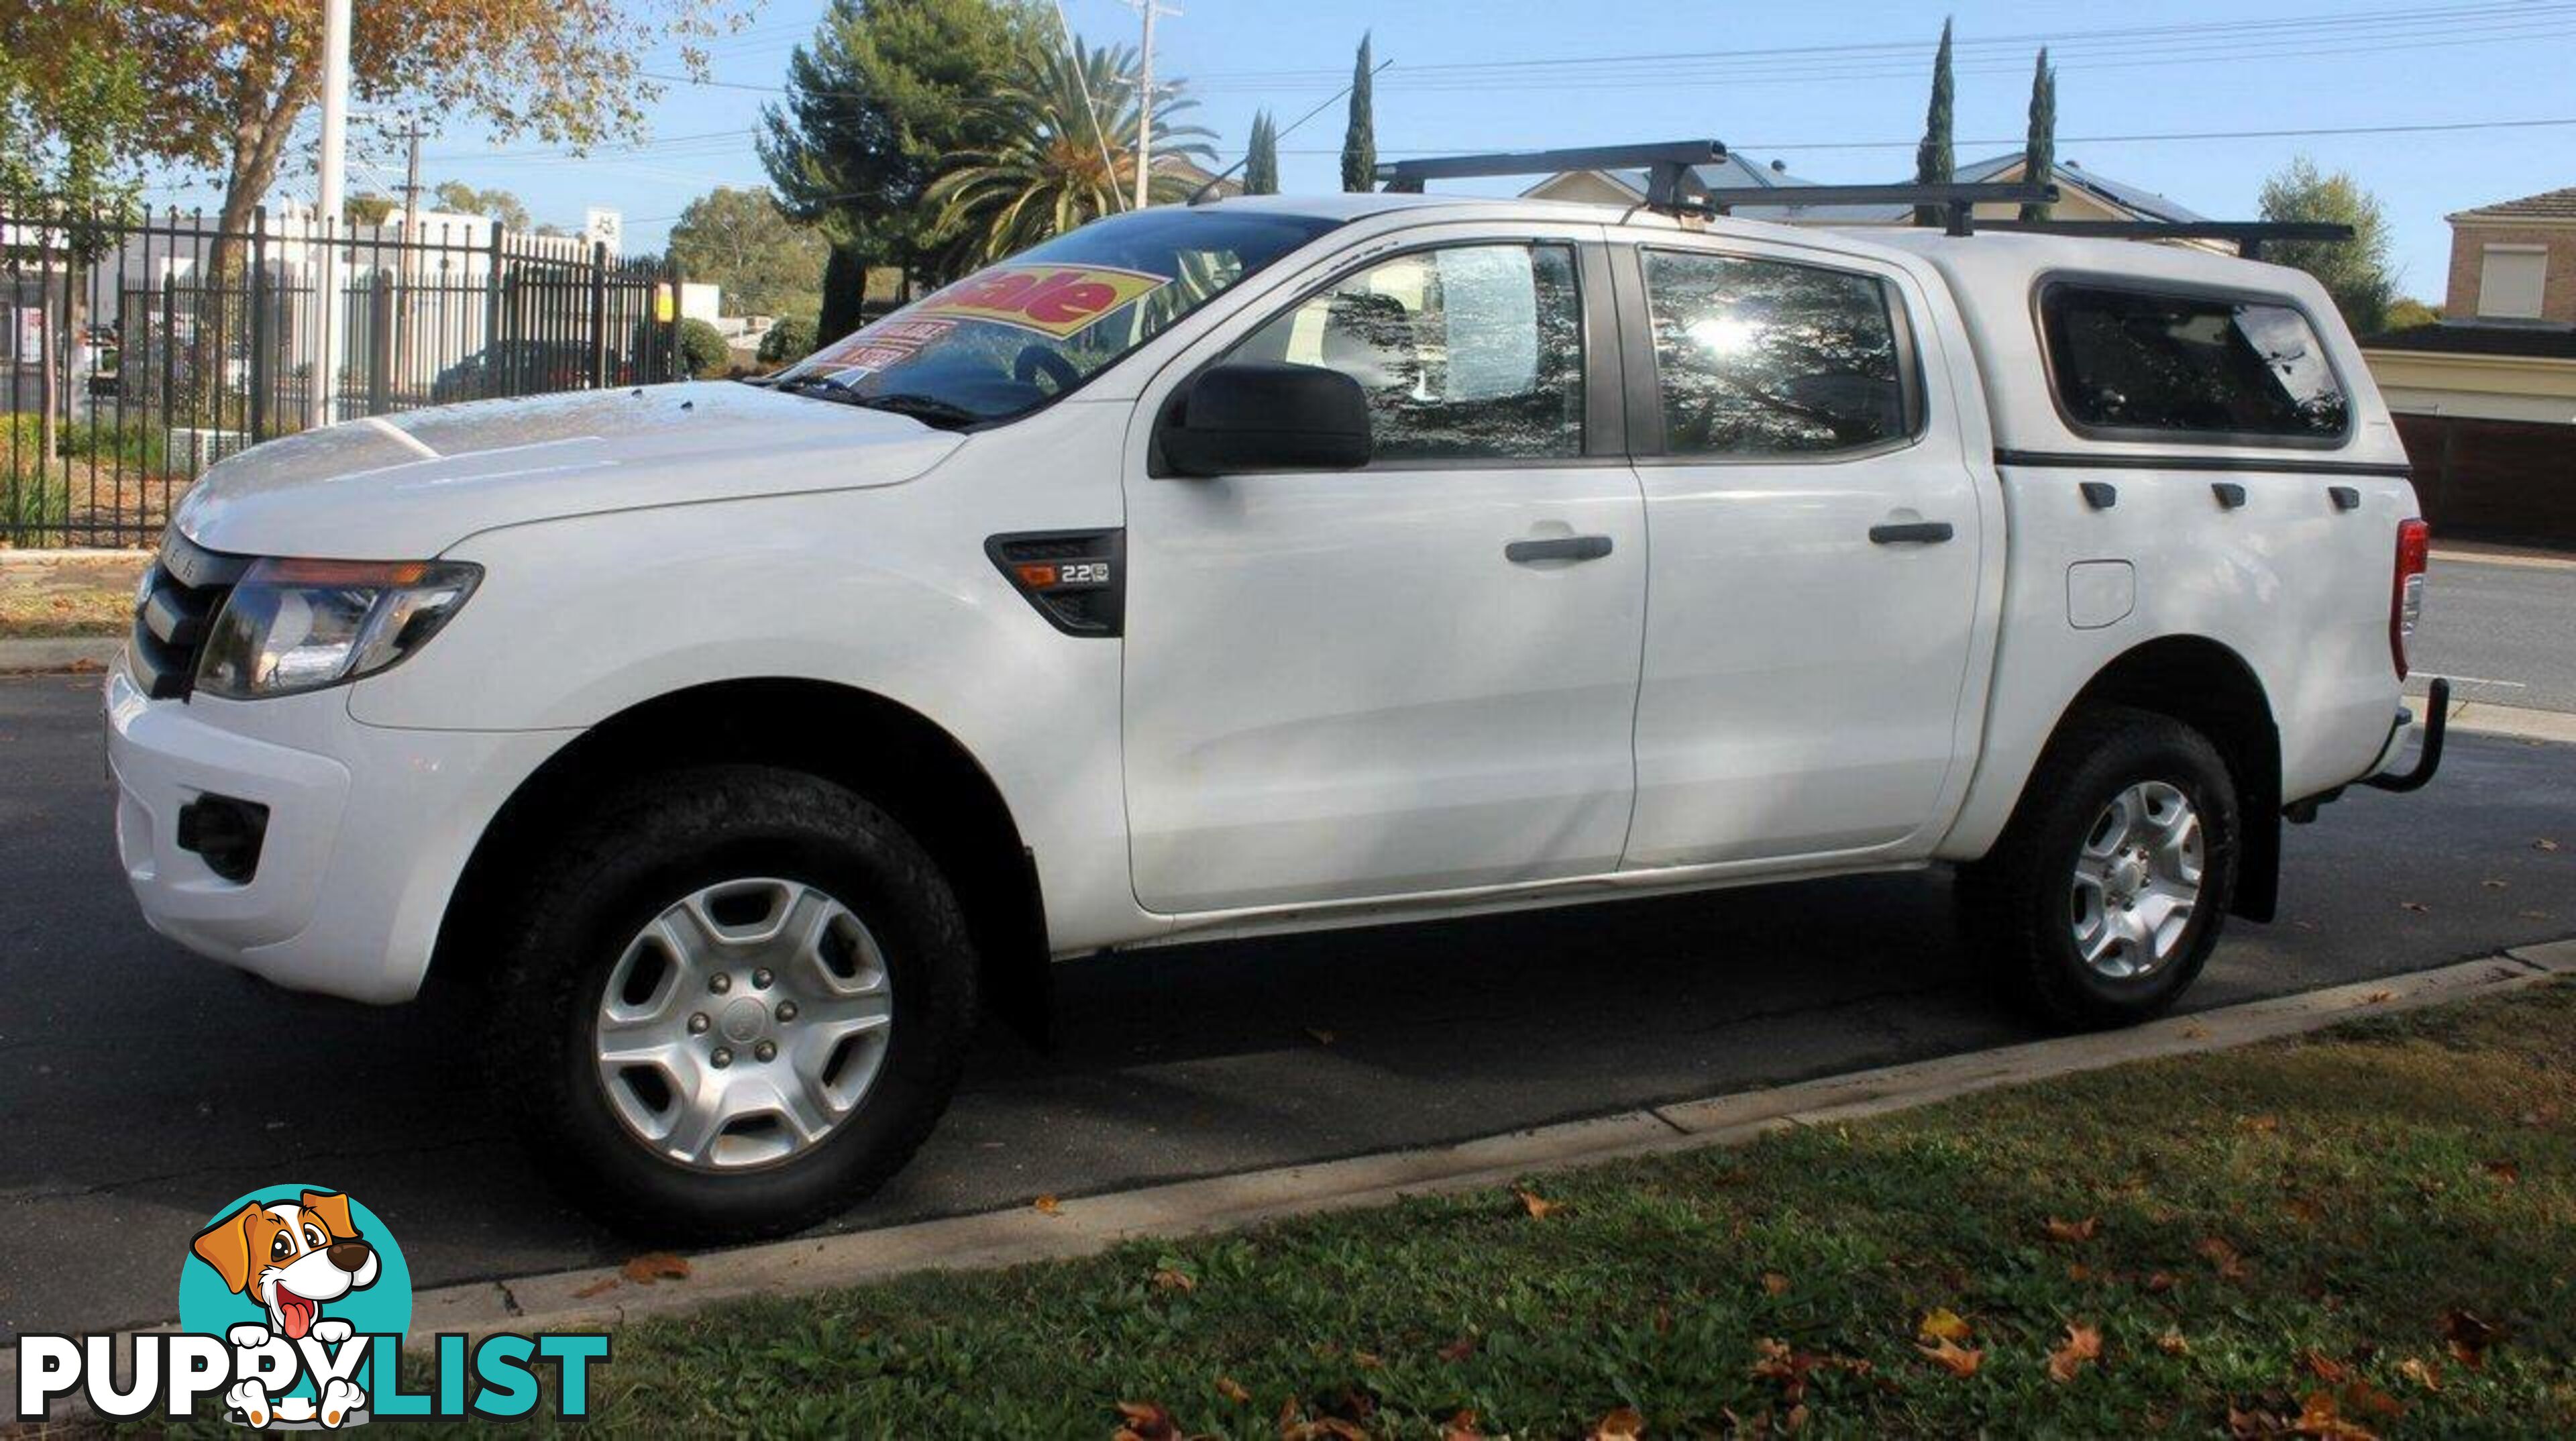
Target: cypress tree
(2039, 153)
(1934, 162)
(1261, 158)
(1359, 143)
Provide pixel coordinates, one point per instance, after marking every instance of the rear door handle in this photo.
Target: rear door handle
(1921, 532)
(1564, 547)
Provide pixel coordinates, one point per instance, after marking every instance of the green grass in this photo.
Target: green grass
(2303, 1220)
(73, 597)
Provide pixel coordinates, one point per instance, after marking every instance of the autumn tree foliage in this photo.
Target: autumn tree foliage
(230, 79)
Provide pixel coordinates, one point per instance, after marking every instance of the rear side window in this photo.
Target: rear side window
(2189, 366)
(1764, 357)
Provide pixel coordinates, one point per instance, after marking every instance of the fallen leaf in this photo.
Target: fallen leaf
(2505, 1171)
(1368, 1361)
(2263, 1123)
(2379, 998)
(1046, 1206)
(2492, 884)
(2322, 1416)
(603, 1284)
(2363, 1399)
(2083, 1343)
(1950, 1356)
(2531, 915)
(2544, 844)
(1537, 1207)
(2072, 1231)
(1459, 1350)
(1461, 1427)
(655, 1266)
(2469, 1338)
(1233, 1390)
(84, 666)
(2252, 1423)
(2160, 1282)
(1796, 1420)
(1168, 1279)
(2194, 1033)
(1943, 1324)
(2419, 908)
(1145, 1421)
(2422, 1372)
(2223, 1256)
(2303, 1209)
(1322, 1037)
(1623, 1424)
(2325, 1368)
(1774, 1283)
(2173, 1343)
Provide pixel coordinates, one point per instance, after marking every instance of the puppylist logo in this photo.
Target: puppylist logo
(293, 1305)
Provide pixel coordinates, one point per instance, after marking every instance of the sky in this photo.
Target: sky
(2158, 95)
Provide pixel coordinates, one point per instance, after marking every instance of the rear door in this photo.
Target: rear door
(1417, 676)
(1816, 533)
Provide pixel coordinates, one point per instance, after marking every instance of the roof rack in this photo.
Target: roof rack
(1667, 164)
(1957, 201)
(2250, 236)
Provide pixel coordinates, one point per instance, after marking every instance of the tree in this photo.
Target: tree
(1359, 142)
(1261, 157)
(2359, 273)
(766, 263)
(884, 93)
(2408, 313)
(1935, 163)
(1049, 173)
(499, 206)
(367, 209)
(231, 80)
(2039, 152)
(67, 132)
(845, 292)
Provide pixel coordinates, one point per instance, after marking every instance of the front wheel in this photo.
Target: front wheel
(2103, 899)
(735, 1003)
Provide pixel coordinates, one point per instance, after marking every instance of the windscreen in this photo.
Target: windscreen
(1012, 336)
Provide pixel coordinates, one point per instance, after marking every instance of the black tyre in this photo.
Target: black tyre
(734, 1002)
(2101, 902)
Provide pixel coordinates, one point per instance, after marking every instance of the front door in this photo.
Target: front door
(1418, 676)
(1817, 536)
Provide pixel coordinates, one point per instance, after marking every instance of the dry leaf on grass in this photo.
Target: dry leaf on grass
(2263, 1123)
(1774, 1283)
(2505, 1171)
(2073, 1231)
(1046, 1206)
(2173, 1343)
(1233, 1390)
(2469, 1338)
(654, 1266)
(1950, 1356)
(2422, 1372)
(1368, 1361)
(2083, 1343)
(1459, 1350)
(1145, 1421)
(1943, 1324)
(1168, 1279)
(1623, 1424)
(2325, 1368)
(1537, 1206)
(2160, 1282)
(1461, 1427)
(2222, 1256)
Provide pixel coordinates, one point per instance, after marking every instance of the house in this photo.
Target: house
(2486, 398)
(2082, 194)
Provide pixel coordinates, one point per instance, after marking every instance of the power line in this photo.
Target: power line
(2311, 132)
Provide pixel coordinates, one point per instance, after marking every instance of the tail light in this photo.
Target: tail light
(2406, 594)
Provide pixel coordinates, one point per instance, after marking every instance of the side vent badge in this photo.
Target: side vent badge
(1077, 579)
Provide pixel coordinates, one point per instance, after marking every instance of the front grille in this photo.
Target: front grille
(186, 593)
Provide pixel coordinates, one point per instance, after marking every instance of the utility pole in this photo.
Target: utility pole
(410, 252)
(1145, 101)
(323, 397)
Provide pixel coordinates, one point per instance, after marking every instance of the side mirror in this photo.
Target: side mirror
(1258, 415)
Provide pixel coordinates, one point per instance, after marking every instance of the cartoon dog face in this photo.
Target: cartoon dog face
(289, 1257)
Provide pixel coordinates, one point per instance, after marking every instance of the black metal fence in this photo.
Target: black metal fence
(135, 356)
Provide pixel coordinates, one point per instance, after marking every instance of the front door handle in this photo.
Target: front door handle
(1921, 532)
(1563, 547)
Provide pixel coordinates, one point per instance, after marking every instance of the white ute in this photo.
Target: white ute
(1266, 565)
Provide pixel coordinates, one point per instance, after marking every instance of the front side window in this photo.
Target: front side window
(1474, 352)
(2189, 364)
(1766, 357)
(1011, 337)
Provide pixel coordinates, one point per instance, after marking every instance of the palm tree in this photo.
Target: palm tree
(1067, 155)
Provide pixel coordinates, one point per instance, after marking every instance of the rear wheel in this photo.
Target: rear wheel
(2102, 901)
(735, 1004)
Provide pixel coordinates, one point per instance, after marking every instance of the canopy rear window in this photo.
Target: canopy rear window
(2141, 363)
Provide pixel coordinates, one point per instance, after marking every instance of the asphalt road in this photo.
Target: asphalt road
(2505, 633)
(141, 1087)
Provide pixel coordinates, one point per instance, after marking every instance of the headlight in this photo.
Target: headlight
(299, 625)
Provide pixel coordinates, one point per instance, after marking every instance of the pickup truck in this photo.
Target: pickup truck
(1256, 566)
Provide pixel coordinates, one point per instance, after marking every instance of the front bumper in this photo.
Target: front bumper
(369, 828)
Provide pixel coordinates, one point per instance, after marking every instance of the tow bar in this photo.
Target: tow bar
(2429, 759)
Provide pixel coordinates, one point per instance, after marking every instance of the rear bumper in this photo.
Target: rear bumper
(368, 828)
